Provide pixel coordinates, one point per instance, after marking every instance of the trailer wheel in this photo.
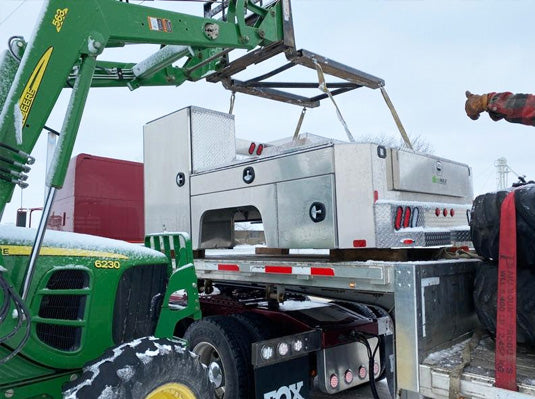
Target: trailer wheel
(485, 300)
(148, 368)
(223, 345)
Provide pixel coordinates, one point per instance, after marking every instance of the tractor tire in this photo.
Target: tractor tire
(224, 346)
(485, 224)
(485, 301)
(147, 368)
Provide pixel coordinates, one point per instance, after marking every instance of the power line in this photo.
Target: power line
(12, 12)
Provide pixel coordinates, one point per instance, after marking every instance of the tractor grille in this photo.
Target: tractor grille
(63, 307)
(68, 279)
(138, 302)
(54, 308)
(66, 338)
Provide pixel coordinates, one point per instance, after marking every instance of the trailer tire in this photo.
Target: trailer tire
(224, 346)
(485, 301)
(258, 326)
(139, 369)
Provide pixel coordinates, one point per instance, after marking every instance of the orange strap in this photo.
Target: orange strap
(506, 317)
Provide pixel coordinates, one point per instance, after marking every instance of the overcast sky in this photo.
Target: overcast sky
(428, 52)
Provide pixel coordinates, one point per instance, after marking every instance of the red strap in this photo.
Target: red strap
(506, 318)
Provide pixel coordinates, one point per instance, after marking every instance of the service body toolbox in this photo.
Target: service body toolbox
(311, 192)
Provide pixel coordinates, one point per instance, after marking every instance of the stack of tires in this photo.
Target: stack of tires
(485, 232)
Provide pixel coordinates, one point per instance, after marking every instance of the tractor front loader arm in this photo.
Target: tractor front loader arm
(69, 37)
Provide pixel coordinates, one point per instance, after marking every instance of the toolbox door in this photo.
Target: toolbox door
(306, 213)
(422, 173)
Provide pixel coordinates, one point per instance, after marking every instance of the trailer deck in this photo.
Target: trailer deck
(431, 302)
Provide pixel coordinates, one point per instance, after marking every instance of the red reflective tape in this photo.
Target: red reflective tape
(278, 269)
(228, 268)
(321, 271)
(505, 363)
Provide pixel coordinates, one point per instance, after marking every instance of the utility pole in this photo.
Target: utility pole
(502, 173)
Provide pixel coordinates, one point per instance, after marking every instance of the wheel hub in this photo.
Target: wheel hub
(172, 391)
(215, 374)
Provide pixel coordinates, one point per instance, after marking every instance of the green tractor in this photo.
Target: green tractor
(96, 320)
(82, 316)
(87, 317)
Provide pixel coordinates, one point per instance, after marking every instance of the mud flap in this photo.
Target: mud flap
(286, 380)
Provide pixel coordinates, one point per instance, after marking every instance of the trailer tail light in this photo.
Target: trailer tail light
(445, 212)
(283, 349)
(452, 212)
(376, 369)
(415, 216)
(363, 373)
(408, 241)
(266, 352)
(252, 147)
(333, 381)
(259, 149)
(437, 212)
(297, 345)
(348, 376)
(407, 217)
(399, 217)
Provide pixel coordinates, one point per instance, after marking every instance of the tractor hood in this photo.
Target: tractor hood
(21, 239)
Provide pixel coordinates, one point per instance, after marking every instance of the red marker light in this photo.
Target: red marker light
(445, 212)
(452, 212)
(437, 212)
(260, 149)
(407, 217)
(334, 381)
(252, 148)
(359, 243)
(348, 377)
(399, 216)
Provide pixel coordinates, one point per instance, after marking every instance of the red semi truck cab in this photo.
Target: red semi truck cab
(103, 197)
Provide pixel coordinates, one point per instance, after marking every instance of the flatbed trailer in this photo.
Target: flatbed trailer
(430, 302)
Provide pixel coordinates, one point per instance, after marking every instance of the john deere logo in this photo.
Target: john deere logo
(30, 91)
(59, 18)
